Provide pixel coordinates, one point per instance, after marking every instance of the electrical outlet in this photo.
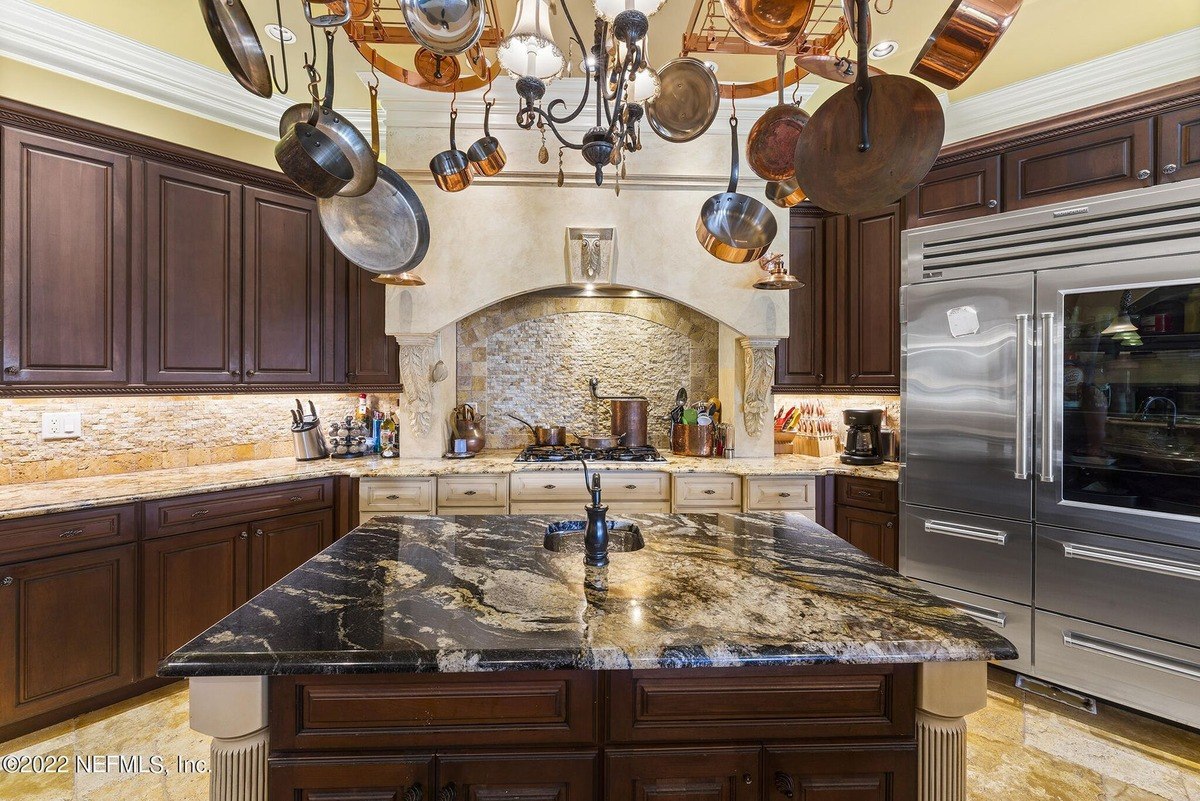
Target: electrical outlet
(62, 425)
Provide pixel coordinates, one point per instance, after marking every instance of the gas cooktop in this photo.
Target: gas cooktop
(567, 453)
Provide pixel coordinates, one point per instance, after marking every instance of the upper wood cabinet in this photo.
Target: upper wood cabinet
(956, 192)
(800, 360)
(282, 272)
(1179, 145)
(871, 297)
(193, 277)
(373, 357)
(66, 261)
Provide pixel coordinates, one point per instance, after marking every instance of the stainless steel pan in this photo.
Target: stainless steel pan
(313, 161)
(734, 227)
(447, 27)
(687, 102)
(384, 231)
(232, 33)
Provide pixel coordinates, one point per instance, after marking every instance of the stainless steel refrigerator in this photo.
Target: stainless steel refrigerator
(1050, 475)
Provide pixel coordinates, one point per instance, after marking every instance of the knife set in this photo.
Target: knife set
(803, 430)
(307, 438)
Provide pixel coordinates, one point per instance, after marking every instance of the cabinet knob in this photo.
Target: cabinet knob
(249, 372)
(631, 486)
(350, 375)
(235, 373)
(549, 486)
(890, 524)
(820, 378)
(12, 369)
(747, 778)
(785, 785)
(993, 203)
(245, 535)
(1143, 175)
(200, 513)
(710, 492)
(413, 793)
(4, 582)
(447, 793)
(1169, 169)
(258, 532)
(71, 532)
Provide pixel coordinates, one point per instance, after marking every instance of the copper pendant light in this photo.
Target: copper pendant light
(777, 276)
(409, 279)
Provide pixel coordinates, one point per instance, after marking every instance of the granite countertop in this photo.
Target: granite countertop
(27, 500)
(465, 594)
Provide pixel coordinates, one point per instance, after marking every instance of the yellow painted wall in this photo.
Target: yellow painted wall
(47, 89)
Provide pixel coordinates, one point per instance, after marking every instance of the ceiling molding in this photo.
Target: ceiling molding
(1127, 72)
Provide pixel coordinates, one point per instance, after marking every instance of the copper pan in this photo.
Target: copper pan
(833, 68)
(771, 145)
(962, 39)
(768, 23)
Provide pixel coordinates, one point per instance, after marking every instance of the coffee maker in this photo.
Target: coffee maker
(863, 442)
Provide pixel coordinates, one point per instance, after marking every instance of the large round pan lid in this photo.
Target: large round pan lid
(447, 27)
(906, 130)
(768, 23)
(232, 32)
(687, 102)
(384, 231)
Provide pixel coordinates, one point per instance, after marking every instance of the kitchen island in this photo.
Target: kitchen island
(733, 656)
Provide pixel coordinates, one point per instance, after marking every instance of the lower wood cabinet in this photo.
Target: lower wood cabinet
(683, 774)
(384, 778)
(68, 630)
(884, 772)
(867, 516)
(281, 545)
(533, 776)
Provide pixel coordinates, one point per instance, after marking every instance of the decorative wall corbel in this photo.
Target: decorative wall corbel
(758, 360)
(416, 373)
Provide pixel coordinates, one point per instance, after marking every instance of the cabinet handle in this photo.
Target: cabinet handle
(470, 492)
(710, 492)
(413, 793)
(631, 486)
(350, 376)
(747, 778)
(854, 376)
(296, 498)
(71, 532)
(784, 784)
(447, 793)
(249, 372)
(993, 203)
(549, 486)
(393, 497)
(12, 369)
(1169, 169)
(4, 582)
(1143, 175)
(200, 513)
(966, 532)
(820, 378)
(245, 535)
(258, 532)
(785, 495)
(863, 493)
(890, 524)
(235, 373)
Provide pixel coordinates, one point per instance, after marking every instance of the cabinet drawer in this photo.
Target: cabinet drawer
(956, 192)
(881, 772)
(50, 535)
(413, 495)
(1157, 676)
(626, 485)
(462, 491)
(780, 493)
(195, 512)
(683, 774)
(517, 776)
(760, 703)
(1014, 622)
(385, 777)
(867, 493)
(1140, 586)
(450, 709)
(986, 555)
(697, 493)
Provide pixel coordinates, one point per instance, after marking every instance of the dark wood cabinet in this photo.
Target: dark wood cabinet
(68, 630)
(867, 516)
(189, 582)
(383, 778)
(859, 773)
(66, 261)
(373, 357)
(193, 277)
(517, 776)
(1179, 145)
(282, 283)
(1095, 162)
(282, 544)
(800, 360)
(959, 191)
(871, 293)
(683, 774)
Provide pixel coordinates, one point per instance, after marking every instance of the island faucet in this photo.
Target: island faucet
(595, 536)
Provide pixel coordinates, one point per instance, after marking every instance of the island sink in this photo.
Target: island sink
(566, 534)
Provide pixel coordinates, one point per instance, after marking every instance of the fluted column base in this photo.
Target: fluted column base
(946, 693)
(238, 768)
(233, 711)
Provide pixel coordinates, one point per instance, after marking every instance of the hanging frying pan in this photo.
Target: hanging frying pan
(312, 160)
(833, 68)
(237, 44)
(771, 145)
(962, 39)
(767, 23)
(734, 227)
(687, 102)
(384, 231)
(447, 27)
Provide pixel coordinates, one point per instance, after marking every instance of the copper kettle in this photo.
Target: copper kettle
(469, 426)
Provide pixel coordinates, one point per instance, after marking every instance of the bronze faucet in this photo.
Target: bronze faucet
(595, 536)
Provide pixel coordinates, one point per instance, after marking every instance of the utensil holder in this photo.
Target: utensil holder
(693, 440)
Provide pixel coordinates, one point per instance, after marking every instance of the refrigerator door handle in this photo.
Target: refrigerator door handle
(966, 532)
(1073, 639)
(1024, 439)
(1108, 556)
(1045, 343)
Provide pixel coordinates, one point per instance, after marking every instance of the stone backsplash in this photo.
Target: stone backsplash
(836, 404)
(139, 432)
(532, 356)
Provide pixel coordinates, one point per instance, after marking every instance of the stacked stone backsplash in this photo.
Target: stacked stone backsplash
(532, 356)
(149, 432)
(836, 404)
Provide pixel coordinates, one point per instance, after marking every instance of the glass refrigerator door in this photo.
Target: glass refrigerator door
(1120, 399)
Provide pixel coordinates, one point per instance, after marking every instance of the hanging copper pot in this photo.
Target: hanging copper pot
(486, 155)
(962, 39)
(768, 23)
(771, 145)
(451, 169)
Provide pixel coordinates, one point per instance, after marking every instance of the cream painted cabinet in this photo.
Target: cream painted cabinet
(472, 495)
(564, 492)
(781, 494)
(384, 496)
(697, 492)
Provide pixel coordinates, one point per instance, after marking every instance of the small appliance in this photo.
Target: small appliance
(307, 438)
(863, 442)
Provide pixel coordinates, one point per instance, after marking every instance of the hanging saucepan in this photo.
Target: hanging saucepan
(436, 69)
(486, 155)
(785, 193)
(833, 68)
(962, 39)
(734, 227)
(340, 130)
(768, 23)
(447, 27)
(312, 160)
(687, 101)
(451, 169)
(233, 34)
(771, 145)
(385, 230)
(870, 143)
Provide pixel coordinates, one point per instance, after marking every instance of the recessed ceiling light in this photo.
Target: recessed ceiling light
(279, 33)
(884, 49)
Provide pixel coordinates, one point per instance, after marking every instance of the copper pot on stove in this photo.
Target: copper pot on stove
(630, 415)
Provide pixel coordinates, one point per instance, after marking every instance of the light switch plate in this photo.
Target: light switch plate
(62, 425)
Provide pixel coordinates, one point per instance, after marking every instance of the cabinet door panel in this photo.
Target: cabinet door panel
(800, 359)
(872, 293)
(857, 773)
(1179, 145)
(189, 582)
(282, 309)
(1093, 163)
(683, 774)
(382, 778)
(874, 533)
(66, 263)
(956, 192)
(68, 630)
(519, 777)
(193, 277)
(284, 543)
(373, 356)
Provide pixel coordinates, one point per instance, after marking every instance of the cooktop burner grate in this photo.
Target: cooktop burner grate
(565, 453)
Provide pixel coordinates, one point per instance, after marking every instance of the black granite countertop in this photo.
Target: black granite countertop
(460, 594)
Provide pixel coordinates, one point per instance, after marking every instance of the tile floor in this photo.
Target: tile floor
(1020, 748)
